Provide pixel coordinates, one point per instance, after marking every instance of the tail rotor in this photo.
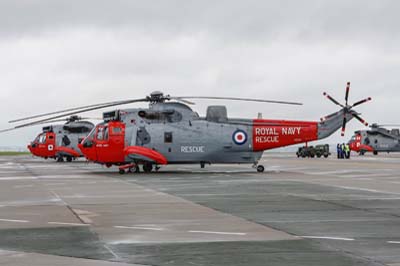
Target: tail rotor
(347, 108)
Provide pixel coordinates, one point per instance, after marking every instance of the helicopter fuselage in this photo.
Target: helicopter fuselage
(178, 135)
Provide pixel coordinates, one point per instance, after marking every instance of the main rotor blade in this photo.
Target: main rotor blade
(344, 125)
(73, 113)
(181, 100)
(332, 99)
(66, 110)
(360, 119)
(347, 92)
(236, 99)
(362, 101)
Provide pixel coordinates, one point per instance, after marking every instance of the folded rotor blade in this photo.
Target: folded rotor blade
(332, 99)
(344, 125)
(236, 99)
(347, 92)
(360, 119)
(362, 101)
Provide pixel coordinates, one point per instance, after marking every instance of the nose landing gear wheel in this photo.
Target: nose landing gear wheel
(260, 169)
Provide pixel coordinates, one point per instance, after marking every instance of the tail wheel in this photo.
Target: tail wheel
(260, 168)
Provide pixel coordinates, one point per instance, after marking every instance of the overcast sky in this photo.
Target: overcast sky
(60, 54)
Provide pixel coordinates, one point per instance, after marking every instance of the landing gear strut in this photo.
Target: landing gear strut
(147, 167)
(60, 159)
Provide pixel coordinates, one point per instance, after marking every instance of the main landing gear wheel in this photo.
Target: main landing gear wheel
(147, 167)
(260, 169)
(121, 171)
(60, 159)
(69, 159)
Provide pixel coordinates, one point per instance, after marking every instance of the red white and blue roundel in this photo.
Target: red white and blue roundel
(239, 137)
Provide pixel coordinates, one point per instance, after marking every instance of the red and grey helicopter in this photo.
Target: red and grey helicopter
(170, 132)
(59, 141)
(377, 139)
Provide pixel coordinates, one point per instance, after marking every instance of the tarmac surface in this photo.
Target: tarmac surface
(299, 212)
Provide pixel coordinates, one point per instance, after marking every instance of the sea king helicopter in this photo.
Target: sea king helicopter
(59, 141)
(375, 140)
(170, 132)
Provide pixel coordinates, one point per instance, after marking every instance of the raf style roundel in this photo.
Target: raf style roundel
(239, 137)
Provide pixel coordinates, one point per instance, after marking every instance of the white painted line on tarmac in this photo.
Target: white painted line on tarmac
(140, 228)
(218, 233)
(73, 224)
(394, 242)
(328, 237)
(14, 221)
(23, 186)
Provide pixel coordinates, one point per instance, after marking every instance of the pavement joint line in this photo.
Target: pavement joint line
(139, 228)
(393, 242)
(218, 233)
(14, 221)
(328, 237)
(61, 223)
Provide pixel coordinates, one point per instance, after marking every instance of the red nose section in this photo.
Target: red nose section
(88, 152)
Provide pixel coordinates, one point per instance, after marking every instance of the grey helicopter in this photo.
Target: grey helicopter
(377, 139)
(170, 132)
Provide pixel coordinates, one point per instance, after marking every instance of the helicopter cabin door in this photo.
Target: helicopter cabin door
(110, 142)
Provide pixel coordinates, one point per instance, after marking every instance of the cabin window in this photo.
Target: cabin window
(117, 130)
(168, 137)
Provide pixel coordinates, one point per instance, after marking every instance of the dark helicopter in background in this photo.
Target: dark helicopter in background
(375, 140)
(170, 132)
(59, 141)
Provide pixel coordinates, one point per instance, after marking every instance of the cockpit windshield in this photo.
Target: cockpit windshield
(41, 139)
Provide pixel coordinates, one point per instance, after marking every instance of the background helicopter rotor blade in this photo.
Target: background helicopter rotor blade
(236, 99)
(333, 100)
(362, 101)
(347, 93)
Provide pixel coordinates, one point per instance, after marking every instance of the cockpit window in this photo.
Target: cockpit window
(102, 133)
(42, 139)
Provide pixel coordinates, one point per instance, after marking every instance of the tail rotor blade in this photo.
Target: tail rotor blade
(362, 101)
(360, 119)
(347, 92)
(344, 125)
(332, 99)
